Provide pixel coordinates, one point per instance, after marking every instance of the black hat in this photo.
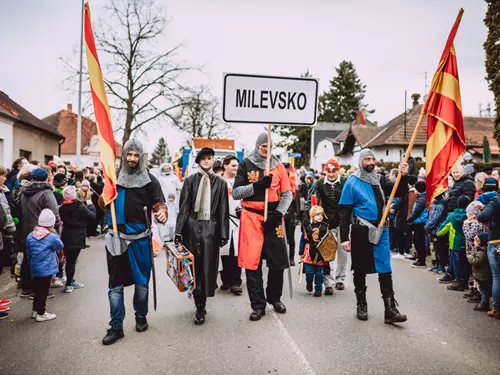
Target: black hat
(420, 186)
(60, 180)
(463, 201)
(204, 152)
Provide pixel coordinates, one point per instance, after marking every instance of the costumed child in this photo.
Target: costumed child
(481, 270)
(173, 212)
(315, 229)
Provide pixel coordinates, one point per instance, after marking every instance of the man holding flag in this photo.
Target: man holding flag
(131, 199)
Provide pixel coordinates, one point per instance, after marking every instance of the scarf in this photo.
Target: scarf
(260, 161)
(203, 202)
(372, 177)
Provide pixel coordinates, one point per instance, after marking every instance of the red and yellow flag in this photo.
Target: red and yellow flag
(102, 115)
(445, 127)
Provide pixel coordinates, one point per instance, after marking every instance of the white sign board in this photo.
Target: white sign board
(270, 100)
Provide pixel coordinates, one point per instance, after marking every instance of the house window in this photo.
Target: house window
(47, 158)
(25, 154)
(96, 164)
(386, 152)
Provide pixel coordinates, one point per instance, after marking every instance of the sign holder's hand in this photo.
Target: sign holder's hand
(346, 246)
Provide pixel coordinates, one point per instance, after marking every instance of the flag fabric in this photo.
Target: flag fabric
(101, 109)
(445, 124)
(360, 118)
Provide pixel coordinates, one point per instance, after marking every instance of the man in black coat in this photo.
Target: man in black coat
(203, 226)
(464, 185)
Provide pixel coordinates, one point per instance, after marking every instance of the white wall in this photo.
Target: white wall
(85, 160)
(395, 153)
(7, 136)
(324, 151)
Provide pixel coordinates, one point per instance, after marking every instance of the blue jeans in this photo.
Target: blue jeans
(485, 290)
(316, 272)
(494, 259)
(117, 304)
(455, 261)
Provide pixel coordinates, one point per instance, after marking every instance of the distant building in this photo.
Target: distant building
(323, 142)
(66, 121)
(389, 142)
(24, 135)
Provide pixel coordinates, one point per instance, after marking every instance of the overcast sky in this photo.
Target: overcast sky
(391, 42)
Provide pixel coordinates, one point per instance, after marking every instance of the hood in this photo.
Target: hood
(133, 177)
(459, 214)
(33, 187)
(164, 165)
(40, 233)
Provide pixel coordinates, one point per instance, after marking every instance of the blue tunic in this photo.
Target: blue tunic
(359, 195)
(138, 252)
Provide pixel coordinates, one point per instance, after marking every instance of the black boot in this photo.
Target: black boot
(199, 318)
(257, 314)
(112, 336)
(141, 323)
(362, 306)
(392, 315)
(292, 262)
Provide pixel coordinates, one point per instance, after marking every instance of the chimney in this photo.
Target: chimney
(70, 108)
(416, 98)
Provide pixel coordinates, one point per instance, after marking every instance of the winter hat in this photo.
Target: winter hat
(60, 180)
(463, 201)
(86, 183)
(46, 218)
(52, 163)
(490, 184)
(25, 171)
(69, 193)
(473, 209)
(469, 169)
(331, 165)
(420, 186)
(39, 174)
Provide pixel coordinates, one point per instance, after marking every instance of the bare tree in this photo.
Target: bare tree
(200, 116)
(143, 85)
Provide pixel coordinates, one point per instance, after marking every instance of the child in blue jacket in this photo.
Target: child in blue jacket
(418, 218)
(41, 247)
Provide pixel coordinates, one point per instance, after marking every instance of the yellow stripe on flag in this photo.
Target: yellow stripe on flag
(450, 87)
(439, 138)
(97, 81)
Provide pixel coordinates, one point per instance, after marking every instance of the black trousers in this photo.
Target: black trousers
(442, 250)
(231, 273)
(420, 243)
(384, 279)
(290, 236)
(255, 286)
(41, 289)
(403, 243)
(71, 258)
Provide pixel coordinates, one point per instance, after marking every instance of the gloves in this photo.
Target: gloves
(178, 239)
(224, 242)
(272, 220)
(263, 184)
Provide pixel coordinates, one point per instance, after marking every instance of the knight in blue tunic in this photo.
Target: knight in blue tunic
(130, 263)
(362, 206)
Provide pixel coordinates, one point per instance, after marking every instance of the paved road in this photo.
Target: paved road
(317, 335)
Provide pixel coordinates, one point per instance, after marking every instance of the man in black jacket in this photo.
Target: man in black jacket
(464, 185)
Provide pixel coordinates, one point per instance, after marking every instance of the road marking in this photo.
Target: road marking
(4, 289)
(304, 364)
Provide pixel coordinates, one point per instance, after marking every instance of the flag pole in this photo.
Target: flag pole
(405, 160)
(449, 42)
(268, 163)
(79, 120)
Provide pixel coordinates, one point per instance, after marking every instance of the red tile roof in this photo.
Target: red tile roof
(65, 121)
(394, 132)
(19, 114)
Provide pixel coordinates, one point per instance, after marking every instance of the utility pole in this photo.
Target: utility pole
(79, 121)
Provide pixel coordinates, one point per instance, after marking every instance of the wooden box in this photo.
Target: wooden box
(175, 254)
